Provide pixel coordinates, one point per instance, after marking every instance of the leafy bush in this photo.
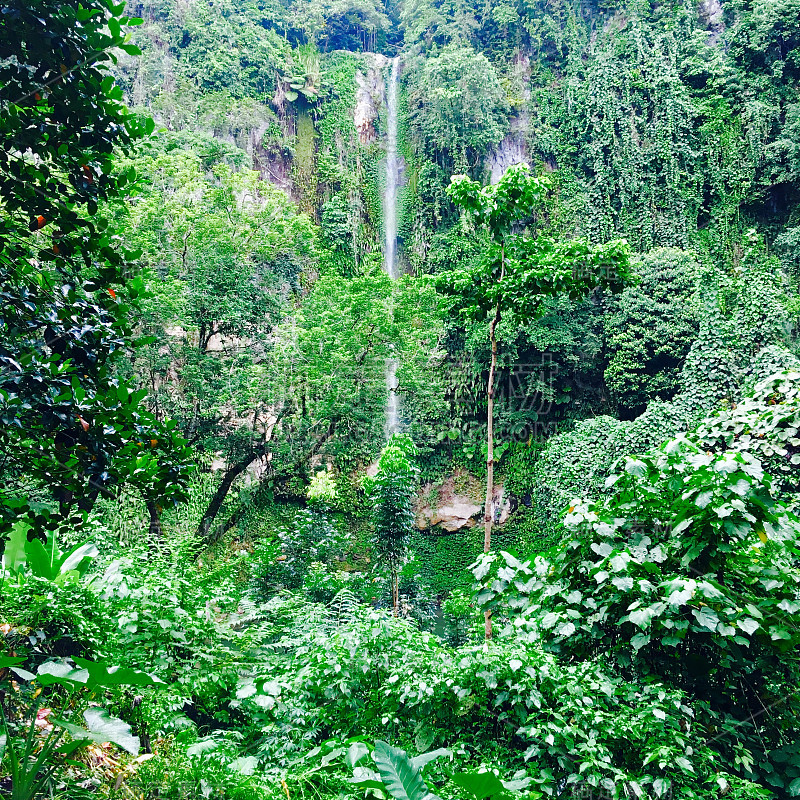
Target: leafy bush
(651, 328)
(365, 673)
(457, 105)
(686, 573)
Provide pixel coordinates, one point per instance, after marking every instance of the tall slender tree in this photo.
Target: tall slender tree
(516, 274)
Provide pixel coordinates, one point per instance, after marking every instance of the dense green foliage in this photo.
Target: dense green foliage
(218, 577)
(391, 493)
(70, 430)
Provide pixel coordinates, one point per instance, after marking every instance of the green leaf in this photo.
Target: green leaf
(100, 675)
(706, 617)
(78, 558)
(421, 761)
(14, 551)
(102, 728)
(23, 673)
(111, 729)
(38, 560)
(403, 781)
(356, 753)
(479, 784)
(202, 746)
(244, 765)
(748, 625)
(661, 786)
(61, 672)
(635, 467)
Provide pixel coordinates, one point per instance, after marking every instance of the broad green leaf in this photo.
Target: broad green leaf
(100, 675)
(101, 728)
(14, 551)
(61, 672)
(202, 746)
(635, 467)
(748, 625)
(356, 753)
(479, 784)
(23, 673)
(403, 781)
(78, 558)
(661, 786)
(38, 560)
(244, 765)
(706, 617)
(421, 761)
(111, 729)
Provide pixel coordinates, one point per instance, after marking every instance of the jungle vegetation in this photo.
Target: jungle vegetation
(574, 569)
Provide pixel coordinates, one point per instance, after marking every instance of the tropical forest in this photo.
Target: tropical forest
(399, 399)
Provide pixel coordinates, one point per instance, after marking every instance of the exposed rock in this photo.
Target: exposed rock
(457, 503)
(502, 506)
(370, 96)
(710, 13)
(456, 516)
(512, 150)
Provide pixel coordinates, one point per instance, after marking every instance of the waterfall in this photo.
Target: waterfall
(392, 174)
(390, 230)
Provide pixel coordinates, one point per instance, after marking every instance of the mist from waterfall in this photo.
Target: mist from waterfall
(390, 230)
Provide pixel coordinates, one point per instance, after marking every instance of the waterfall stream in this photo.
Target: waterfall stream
(390, 230)
(392, 174)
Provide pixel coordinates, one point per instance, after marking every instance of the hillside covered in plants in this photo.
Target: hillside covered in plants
(399, 400)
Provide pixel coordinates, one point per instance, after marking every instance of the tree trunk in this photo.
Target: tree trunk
(155, 531)
(239, 513)
(488, 511)
(204, 528)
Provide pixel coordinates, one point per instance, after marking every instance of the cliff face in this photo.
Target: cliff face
(662, 122)
(370, 96)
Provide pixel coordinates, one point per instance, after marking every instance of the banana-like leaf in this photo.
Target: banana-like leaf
(401, 778)
(3, 740)
(78, 558)
(38, 560)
